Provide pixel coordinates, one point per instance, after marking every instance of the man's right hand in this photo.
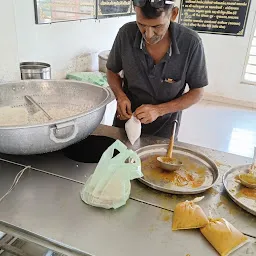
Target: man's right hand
(124, 110)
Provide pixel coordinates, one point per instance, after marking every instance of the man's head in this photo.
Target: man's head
(153, 18)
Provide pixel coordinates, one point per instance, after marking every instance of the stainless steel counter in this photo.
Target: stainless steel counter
(49, 209)
(6, 180)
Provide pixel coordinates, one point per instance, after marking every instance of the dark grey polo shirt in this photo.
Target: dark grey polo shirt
(147, 83)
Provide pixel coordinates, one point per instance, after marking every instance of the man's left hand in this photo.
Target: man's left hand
(147, 113)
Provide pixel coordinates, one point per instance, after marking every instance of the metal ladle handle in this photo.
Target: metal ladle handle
(29, 98)
(171, 144)
(253, 166)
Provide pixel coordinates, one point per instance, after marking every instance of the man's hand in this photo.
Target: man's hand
(147, 113)
(124, 110)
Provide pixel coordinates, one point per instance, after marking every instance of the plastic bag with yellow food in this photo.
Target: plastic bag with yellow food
(223, 236)
(189, 215)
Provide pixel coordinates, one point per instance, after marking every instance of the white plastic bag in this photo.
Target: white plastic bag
(109, 186)
(133, 129)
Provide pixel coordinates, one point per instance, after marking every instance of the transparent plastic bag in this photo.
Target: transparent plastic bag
(109, 186)
(133, 129)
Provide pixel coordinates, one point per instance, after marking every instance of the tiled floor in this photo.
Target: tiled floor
(222, 127)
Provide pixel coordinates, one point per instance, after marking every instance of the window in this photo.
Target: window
(250, 69)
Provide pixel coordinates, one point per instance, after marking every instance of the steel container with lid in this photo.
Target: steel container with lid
(35, 70)
(103, 58)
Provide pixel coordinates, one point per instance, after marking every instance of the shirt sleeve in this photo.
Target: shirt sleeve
(197, 72)
(114, 62)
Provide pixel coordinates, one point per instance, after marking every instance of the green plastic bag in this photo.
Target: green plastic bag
(109, 186)
(96, 78)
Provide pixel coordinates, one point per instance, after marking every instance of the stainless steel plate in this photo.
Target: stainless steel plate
(244, 197)
(197, 174)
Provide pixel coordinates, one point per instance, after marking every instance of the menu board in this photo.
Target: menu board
(110, 8)
(227, 17)
(50, 11)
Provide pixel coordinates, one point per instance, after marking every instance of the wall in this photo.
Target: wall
(8, 43)
(225, 59)
(61, 43)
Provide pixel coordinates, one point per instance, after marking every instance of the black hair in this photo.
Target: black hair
(152, 13)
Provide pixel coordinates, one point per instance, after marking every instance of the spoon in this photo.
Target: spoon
(167, 162)
(249, 179)
(30, 99)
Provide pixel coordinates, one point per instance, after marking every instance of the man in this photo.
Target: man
(158, 58)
